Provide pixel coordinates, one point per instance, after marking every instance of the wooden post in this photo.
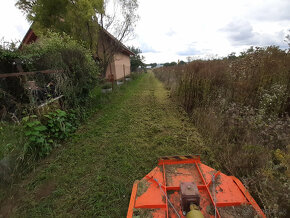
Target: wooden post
(124, 73)
(112, 76)
(20, 70)
(24, 80)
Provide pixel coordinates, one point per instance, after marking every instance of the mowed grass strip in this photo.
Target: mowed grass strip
(93, 173)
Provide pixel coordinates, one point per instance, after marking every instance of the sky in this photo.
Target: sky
(174, 30)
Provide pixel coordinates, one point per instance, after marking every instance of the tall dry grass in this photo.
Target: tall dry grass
(242, 108)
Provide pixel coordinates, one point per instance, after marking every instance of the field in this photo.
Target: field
(93, 172)
(234, 112)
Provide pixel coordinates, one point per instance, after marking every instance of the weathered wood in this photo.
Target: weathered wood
(124, 72)
(5, 75)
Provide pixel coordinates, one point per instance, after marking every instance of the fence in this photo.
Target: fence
(22, 90)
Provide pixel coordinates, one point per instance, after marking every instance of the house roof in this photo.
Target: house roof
(30, 37)
(125, 49)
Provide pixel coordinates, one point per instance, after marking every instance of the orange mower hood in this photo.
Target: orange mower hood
(180, 181)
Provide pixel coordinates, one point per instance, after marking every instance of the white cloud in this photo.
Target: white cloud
(240, 32)
(187, 27)
(170, 30)
(270, 10)
(147, 48)
(12, 22)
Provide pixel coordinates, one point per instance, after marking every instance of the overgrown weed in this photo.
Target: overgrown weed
(241, 107)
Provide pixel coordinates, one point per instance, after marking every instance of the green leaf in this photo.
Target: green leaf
(32, 138)
(25, 119)
(40, 140)
(28, 133)
(30, 124)
(40, 128)
(47, 116)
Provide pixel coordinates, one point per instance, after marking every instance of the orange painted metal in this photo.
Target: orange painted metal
(248, 196)
(132, 199)
(170, 172)
(206, 187)
(164, 179)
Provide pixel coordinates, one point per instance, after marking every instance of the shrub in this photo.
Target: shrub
(11, 91)
(241, 107)
(79, 79)
(135, 76)
(246, 80)
(8, 55)
(44, 132)
(201, 83)
(55, 51)
(39, 142)
(60, 124)
(107, 85)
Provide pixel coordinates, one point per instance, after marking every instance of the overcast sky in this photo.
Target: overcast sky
(170, 30)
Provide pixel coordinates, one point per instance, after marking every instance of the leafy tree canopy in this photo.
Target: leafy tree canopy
(181, 62)
(77, 18)
(170, 64)
(232, 56)
(136, 60)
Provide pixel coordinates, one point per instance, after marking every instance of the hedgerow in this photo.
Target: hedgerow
(61, 52)
(241, 106)
(42, 129)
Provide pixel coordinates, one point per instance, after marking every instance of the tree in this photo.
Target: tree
(181, 62)
(121, 22)
(189, 59)
(232, 56)
(76, 18)
(287, 38)
(85, 20)
(170, 64)
(137, 60)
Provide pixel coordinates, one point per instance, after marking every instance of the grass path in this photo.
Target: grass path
(93, 173)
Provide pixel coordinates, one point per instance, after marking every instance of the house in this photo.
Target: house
(119, 65)
(109, 48)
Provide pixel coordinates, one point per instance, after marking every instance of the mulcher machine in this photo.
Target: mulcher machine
(181, 186)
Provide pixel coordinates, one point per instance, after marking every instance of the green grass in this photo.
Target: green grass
(11, 138)
(92, 174)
